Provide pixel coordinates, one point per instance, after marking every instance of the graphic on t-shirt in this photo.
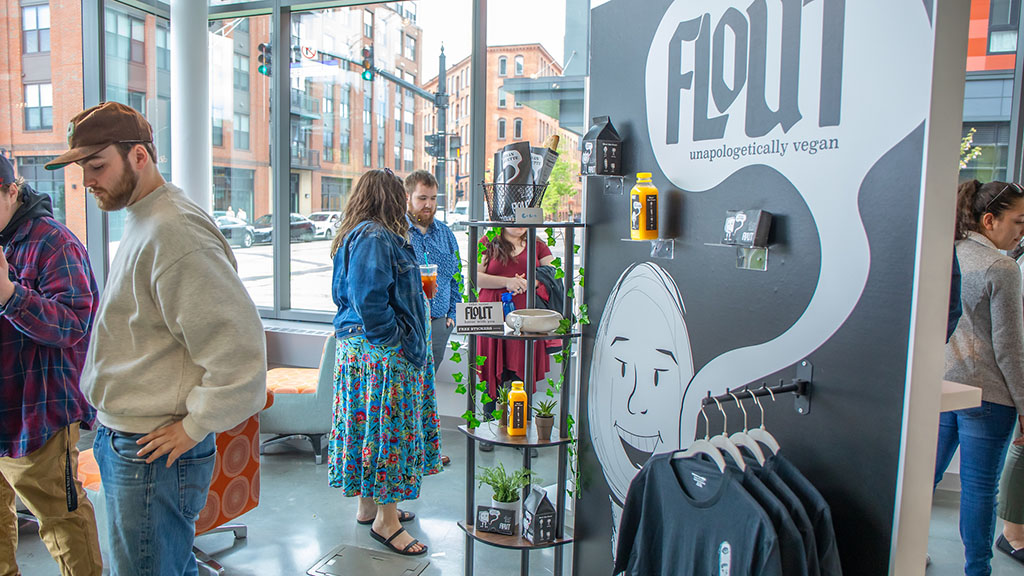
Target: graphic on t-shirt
(642, 363)
(724, 559)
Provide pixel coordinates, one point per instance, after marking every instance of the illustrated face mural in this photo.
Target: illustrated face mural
(642, 364)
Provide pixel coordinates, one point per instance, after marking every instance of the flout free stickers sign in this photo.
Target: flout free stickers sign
(479, 317)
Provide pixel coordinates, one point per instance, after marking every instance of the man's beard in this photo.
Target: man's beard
(117, 197)
(424, 218)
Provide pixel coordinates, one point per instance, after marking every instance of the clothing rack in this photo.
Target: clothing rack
(801, 386)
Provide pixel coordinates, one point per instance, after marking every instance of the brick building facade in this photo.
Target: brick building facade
(507, 120)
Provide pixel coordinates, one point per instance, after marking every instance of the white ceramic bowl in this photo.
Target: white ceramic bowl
(534, 320)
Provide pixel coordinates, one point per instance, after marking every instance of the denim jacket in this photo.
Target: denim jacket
(377, 289)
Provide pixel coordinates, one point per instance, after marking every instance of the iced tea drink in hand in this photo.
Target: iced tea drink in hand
(428, 276)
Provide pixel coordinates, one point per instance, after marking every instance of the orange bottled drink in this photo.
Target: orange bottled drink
(643, 209)
(517, 410)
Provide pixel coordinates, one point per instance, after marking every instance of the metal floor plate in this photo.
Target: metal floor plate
(354, 561)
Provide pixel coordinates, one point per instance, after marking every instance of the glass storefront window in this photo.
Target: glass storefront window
(376, 117)
(988, 90)
(44, 181)
(135, 77)
(240, 118)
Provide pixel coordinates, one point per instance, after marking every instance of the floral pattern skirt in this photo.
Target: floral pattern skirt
(386, 434)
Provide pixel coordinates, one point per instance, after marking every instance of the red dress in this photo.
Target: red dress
(511, 354)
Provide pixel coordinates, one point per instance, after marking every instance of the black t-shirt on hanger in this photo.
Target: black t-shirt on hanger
(686, 518)
(791, 544)
(797, 512)
(817, 510)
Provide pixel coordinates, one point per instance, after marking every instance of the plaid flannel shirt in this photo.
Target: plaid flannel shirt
(44, 334)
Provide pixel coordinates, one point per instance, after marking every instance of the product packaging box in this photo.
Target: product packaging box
(495, 520)
(748, 228)
(602, 150)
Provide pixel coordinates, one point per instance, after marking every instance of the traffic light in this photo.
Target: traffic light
(264, 58)
(368, 63)
(434, 145)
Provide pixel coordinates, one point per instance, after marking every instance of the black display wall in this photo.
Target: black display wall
(685, 81)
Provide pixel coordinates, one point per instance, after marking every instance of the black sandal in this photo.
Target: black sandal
(403, 551)
(403, 516)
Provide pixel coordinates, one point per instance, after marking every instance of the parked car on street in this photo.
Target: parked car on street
(458, 217)
(326, 223)
(301, 228)
(236, 232)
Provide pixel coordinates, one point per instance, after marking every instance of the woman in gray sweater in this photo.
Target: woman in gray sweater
(986, 350)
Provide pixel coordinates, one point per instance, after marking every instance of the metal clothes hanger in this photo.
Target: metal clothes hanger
(744, 440)
(760, 434)
(703, 446)
(723, 443)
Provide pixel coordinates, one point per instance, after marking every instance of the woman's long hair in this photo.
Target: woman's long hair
(974, 200)
(502, 248)
(378, 196)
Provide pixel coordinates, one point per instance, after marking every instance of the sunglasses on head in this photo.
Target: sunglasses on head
(1016, 188)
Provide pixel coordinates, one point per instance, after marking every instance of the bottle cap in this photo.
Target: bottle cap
(517, 385)
(643, 175)
(506, 296)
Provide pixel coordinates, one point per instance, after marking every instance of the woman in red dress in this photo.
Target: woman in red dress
(503, 269)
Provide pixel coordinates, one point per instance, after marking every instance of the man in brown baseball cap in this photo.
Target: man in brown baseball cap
(98, 136)
(159, 371)
(100, 126)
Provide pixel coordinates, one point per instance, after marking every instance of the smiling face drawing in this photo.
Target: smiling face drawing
(642, 364)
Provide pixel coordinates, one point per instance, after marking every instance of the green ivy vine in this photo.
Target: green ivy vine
(580, 316)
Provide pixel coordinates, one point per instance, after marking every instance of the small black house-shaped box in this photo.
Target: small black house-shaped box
(538, 517)
(602, 150)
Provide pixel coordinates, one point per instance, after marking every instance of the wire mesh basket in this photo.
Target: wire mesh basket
(503, 199)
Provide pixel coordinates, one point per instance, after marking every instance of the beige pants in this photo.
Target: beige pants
(38, 479)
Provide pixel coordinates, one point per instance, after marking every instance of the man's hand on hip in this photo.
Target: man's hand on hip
(171, 440)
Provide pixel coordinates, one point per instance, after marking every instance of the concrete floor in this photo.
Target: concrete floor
(944, 544)
(300, 519)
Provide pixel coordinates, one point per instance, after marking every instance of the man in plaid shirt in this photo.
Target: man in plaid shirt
(48, 299)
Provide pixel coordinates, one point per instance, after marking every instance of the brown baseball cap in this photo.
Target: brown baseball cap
(100, 126)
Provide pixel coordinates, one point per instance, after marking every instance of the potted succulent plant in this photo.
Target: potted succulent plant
(545, 410)
(502, 404)
(506, 486)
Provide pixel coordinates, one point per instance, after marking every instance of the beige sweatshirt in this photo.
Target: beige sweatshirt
(177, 336)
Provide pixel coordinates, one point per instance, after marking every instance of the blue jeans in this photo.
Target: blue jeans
(983, 434)
(152, 509)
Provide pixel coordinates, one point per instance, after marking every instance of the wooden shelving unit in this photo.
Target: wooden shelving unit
(509, 542)
(485, 433)
(492, 433)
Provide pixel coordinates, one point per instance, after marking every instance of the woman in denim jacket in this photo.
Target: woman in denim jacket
(386, 433)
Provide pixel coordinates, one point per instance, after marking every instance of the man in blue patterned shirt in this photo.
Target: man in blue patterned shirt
(434, 243)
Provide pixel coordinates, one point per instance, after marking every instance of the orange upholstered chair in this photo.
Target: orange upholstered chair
(304, 402)
(234, 489)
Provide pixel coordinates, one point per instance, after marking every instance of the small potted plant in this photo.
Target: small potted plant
(506, 486)
(502, 404)
(545, 410)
